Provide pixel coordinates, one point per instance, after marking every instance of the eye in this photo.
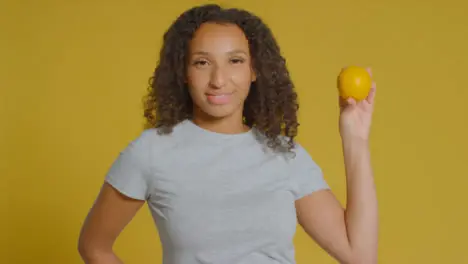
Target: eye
(200, 63)
(237, 60)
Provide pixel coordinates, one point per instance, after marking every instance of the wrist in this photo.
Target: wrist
(355, 142)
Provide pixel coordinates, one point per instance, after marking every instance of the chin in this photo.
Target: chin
(219, 111)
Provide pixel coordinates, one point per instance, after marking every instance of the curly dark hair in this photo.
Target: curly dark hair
(271, 105)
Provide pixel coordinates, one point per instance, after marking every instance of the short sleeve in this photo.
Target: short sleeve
(129, 172)
(307, 176)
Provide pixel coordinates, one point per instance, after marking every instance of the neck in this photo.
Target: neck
(232, 124)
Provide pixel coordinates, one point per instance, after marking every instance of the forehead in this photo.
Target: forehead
(219, 38)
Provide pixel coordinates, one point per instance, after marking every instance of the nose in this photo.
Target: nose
(218, 78)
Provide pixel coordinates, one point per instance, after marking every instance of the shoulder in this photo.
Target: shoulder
(142, 140)
(297, 152)
(299, 157)
(153, 143)
(156, 136)
(301, 153)
(305, 174)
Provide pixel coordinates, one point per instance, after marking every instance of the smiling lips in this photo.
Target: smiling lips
(219, 99)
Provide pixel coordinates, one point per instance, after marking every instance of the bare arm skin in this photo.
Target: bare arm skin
(109, 215)
(349, 235)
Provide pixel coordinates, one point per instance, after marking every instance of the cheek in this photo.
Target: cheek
(197, 82)
(243, 80)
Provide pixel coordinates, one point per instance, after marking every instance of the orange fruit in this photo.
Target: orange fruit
(354, 82)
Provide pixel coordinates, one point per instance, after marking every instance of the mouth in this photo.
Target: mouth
(219, 98)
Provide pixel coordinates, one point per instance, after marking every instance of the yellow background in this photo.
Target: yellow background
(72, 77)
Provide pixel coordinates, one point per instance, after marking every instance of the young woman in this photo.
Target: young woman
(220, 171)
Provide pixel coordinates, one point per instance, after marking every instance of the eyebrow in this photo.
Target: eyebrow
(230, 52)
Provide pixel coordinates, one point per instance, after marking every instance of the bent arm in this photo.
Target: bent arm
(349, 235)
(110, 213)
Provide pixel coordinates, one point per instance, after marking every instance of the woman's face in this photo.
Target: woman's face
(219, 70)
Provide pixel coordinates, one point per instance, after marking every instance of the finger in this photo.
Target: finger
(342, 102)
(369, 70)
(351, 101)
(370, 98)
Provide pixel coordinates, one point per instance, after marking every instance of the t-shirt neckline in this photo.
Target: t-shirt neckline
(216, 135)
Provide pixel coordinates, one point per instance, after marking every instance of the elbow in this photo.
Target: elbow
(86, 251)
(90, 253)
(82, 250)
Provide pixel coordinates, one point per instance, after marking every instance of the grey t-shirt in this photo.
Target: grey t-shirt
(217, 198)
